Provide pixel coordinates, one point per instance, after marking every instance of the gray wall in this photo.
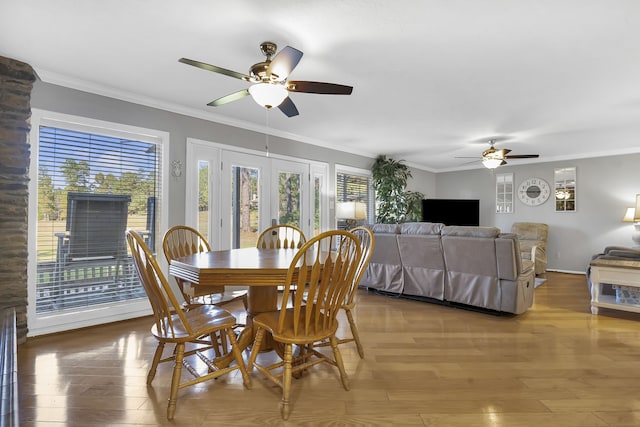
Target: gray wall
(69, 101)
(605, 187)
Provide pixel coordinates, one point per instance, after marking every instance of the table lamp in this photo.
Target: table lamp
(351, 212)
(633, 215)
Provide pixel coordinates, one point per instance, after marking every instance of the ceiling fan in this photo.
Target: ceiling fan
(270, 87)
(493, 157)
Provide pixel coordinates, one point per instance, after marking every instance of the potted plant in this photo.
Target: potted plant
(394, 203)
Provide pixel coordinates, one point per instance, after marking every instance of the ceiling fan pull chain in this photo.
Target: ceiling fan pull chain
(266, 147)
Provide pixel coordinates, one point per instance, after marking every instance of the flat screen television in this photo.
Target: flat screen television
(451, 211)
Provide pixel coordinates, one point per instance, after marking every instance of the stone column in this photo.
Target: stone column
(16, 82)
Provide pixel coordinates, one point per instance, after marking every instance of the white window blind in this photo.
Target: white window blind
(91, 188)
(354, 201)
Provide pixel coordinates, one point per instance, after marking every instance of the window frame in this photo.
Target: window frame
(365, 173)
(65, 320)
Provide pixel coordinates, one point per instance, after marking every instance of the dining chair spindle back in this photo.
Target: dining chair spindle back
(367, 243)
(173, 325)
(182, 240)
(281, 236)
(308, 317)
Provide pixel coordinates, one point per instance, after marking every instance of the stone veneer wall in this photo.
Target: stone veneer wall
(16, 82)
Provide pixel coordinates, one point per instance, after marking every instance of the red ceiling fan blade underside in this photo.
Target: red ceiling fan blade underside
(522, 156)
(318, 87)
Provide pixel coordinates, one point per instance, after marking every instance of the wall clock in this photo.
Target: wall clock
(534, 191)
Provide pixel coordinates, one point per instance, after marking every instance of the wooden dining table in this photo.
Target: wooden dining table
(261, 270)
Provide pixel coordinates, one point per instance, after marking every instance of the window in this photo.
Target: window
(354, 198)
(92, 183)
(504, 193)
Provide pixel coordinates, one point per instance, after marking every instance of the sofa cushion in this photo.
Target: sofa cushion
(464, 231)
(421, 228)
(385, 228)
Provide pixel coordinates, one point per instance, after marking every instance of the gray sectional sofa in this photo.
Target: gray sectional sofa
(475, 266)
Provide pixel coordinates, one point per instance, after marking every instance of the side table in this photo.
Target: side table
(613, 272)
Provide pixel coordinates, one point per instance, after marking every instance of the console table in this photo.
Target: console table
(613, 272)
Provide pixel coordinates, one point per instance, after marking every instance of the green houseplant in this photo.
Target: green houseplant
(394, 203)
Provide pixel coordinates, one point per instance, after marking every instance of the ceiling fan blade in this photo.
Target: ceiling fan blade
(284, 62)
(215, 69)
(229, 98)
(288, 107)
(319, 87)
(523, 156)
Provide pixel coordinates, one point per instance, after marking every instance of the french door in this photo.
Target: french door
(232, 196)
(244, 198)
(290, 194)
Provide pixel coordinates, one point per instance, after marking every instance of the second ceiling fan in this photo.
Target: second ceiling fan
(270, 86)
(493, 157)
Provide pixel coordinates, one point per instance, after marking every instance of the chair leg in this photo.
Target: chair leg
(238, 356)
(354, 333)
(215, 343)
(338, 357)
(175, 381)
(245, 302)
(154, 364)
(285, 409)
(256, 349)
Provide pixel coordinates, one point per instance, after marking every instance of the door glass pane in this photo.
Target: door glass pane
(289, 199)
(203, 198)
(244, 206)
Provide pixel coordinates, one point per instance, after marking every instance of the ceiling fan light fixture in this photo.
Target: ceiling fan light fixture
(491, 163)
(268, 95)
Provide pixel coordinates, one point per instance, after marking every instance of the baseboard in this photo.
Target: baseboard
(568, 271)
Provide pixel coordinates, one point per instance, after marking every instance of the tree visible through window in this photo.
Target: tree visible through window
(122, 175)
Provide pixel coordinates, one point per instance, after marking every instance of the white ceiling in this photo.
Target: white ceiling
(433, 79)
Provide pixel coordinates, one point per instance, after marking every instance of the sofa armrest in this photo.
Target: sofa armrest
(538, 251)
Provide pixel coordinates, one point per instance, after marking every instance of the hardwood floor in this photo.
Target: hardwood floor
(425, 365)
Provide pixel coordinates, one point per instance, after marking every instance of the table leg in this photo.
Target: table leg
(261, 299)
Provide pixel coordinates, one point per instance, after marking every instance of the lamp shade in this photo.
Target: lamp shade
(351, 210)
(491, 163)
(268, 95)
(629, 215)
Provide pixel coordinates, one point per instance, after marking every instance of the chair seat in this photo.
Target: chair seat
(269, 321)
(204, 319)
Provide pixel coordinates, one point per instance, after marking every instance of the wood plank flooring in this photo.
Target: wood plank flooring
(425, 365)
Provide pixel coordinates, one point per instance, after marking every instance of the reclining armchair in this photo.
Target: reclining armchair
(533, 243)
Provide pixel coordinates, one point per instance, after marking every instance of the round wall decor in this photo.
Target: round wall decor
(534, 191)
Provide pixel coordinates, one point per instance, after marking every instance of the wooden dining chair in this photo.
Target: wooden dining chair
(182, 240)
(173, 325)
(367, 243)
(281, 236)
(305, 319)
